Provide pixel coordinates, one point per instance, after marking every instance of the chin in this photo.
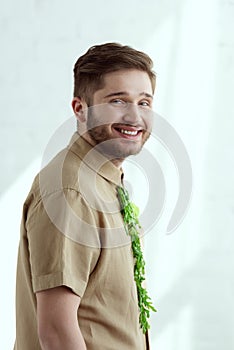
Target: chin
(114, 150)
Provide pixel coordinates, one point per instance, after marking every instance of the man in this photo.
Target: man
(75, 279)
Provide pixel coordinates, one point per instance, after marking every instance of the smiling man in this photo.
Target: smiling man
(75, 276)
(127, 98)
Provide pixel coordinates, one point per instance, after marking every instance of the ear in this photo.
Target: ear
(79, 107)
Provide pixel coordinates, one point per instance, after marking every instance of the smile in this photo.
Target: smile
(130, 133)
(127, 132)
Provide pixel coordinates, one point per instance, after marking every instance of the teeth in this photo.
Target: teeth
(132, 133)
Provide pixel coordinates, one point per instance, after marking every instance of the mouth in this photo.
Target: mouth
(128, 132)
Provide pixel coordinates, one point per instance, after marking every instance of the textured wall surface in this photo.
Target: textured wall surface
(190, 275)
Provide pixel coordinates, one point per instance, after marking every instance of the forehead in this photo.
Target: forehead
(127, 80)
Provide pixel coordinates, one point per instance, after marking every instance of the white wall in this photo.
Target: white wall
(190, 271)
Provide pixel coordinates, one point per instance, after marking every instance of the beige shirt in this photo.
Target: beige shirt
(72, 234)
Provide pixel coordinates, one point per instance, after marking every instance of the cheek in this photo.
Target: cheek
(148, 124)
(104, 116)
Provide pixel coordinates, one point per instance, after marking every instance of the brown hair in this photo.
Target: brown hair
(101, 59)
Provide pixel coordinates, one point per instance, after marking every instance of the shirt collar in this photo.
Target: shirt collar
(95, 160)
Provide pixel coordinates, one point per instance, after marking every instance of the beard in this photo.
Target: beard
(110, 145)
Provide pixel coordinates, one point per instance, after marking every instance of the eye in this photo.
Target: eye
(145, 103)
(118, 102)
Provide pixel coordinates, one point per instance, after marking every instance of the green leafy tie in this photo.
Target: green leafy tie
(130, 213)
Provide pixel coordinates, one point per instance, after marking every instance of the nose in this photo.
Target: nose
(132, 114)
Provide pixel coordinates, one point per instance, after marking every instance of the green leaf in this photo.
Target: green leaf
(130, 213)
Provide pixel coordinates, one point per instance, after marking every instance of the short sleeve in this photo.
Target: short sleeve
(63, 241)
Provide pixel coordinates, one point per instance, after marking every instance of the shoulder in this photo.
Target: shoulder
(59, 175)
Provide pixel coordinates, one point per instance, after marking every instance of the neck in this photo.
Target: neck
(116, 161)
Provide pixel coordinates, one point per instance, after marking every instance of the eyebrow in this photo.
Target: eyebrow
(121, 93)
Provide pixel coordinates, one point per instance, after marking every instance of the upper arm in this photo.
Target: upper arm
(56, 310)
(56, 257)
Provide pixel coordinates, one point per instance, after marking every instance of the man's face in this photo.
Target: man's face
(120, 119)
